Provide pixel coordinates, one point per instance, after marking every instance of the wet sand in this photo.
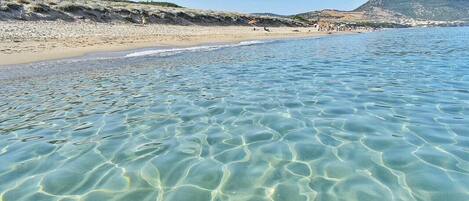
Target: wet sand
(26, 42)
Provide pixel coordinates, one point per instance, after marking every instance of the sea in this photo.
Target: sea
(380, 116)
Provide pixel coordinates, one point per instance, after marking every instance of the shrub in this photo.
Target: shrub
(23, 1)
(4, 8)
(14, 6)
(299, 18)
(38, 8)
(70, 7)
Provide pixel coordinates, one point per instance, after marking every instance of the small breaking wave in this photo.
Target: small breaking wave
(173, 51)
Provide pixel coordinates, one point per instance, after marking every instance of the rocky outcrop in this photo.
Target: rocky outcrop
(128, 12)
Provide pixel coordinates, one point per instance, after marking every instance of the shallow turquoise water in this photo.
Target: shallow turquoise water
(378, 116)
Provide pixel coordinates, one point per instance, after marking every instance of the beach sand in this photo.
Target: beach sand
(26, 42)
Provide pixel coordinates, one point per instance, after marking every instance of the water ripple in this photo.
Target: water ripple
(378, 116)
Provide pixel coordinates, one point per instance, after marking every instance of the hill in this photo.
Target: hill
(123, 11)
(268, 14)
(436, 10)
(353, 18)
(397, 13)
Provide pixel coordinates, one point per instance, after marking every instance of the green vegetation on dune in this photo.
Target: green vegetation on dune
(300, 18)
(140, 12)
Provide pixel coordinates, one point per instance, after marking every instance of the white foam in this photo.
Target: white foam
(173, 51)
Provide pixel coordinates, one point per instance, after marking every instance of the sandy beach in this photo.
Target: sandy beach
(26, 42)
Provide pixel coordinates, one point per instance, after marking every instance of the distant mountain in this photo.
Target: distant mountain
(389, 13)
(268, 14)
(437, 10)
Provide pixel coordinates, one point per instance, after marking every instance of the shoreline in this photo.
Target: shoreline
(30, 42)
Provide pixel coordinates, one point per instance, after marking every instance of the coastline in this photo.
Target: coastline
(29, 42)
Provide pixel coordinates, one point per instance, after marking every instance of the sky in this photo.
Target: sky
(285, 7)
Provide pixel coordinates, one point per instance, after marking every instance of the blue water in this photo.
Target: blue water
(376, 116)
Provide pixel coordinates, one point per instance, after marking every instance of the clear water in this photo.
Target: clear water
(378, 116)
